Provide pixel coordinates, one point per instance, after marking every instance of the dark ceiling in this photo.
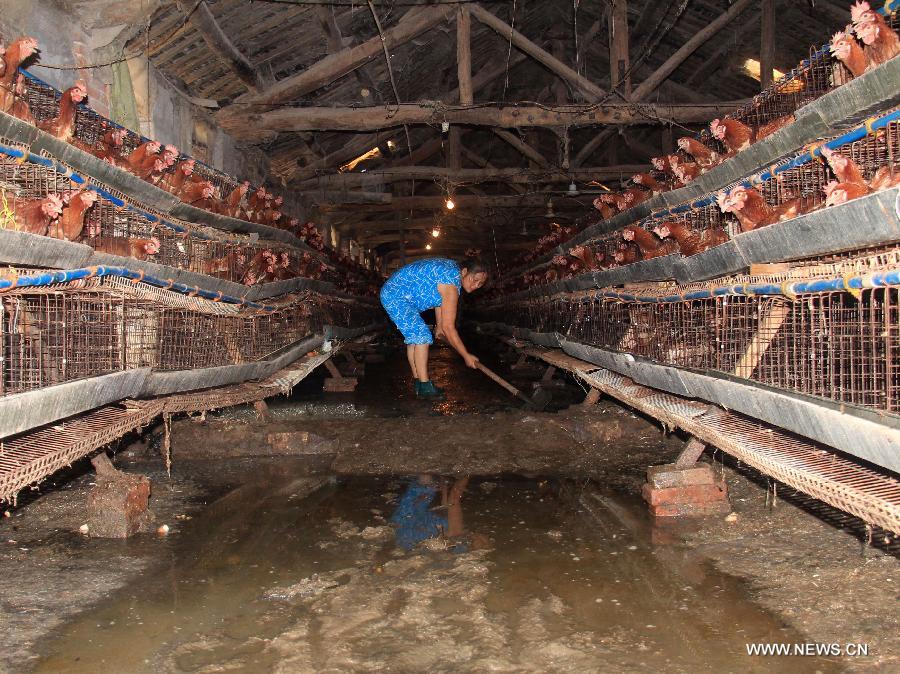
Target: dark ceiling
(281, 39)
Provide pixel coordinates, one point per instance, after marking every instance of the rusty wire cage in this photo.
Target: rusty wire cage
(877, 152)
(63, 333)
(108, 227)
(53, 337)
(835, 345)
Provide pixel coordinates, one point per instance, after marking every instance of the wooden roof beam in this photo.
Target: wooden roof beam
(201, 17)
(767, 43)
(618, 47)
(336, 41)
(588, 89)
(649, 85)
(529, 152)
(314, 118)
(512, 175)
(338, 158)
(412, 24)
(466, 201)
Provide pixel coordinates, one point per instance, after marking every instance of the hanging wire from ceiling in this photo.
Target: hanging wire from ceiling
(512, 27)
(387, 60)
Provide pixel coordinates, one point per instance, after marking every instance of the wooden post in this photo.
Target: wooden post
(668, 139)
(454, 162)
(618, 47)
(464, 55)
(767, 43)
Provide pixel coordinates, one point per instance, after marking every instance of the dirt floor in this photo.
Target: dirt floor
(269, 568)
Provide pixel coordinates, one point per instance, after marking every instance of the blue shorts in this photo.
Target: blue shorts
(407, 319)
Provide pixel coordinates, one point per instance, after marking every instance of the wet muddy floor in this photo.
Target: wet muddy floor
(265, 579)
(269, 568)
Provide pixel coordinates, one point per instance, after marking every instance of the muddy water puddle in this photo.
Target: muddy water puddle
(547, 577)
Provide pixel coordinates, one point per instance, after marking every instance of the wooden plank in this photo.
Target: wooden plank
(591, 91)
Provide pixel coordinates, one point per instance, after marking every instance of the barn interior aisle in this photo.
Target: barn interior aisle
(449, 335)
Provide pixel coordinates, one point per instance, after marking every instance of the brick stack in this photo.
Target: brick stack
(673, 491)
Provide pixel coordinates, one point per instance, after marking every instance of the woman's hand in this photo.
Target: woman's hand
(471, 361)
(439, 332)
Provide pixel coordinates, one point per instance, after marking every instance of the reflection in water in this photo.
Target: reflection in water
(270, 579)
(416, 519)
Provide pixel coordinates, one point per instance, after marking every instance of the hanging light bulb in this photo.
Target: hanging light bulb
(449, 204)
(427, 246)
(435, 232)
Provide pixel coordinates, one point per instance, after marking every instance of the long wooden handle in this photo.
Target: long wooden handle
(500, 380)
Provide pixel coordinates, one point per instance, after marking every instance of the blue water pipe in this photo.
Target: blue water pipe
(65, 276)
(31, 158)
(850, 284)
(869, 126)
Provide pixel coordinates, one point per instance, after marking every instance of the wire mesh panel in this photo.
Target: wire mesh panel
(55, 337)
(835, 345)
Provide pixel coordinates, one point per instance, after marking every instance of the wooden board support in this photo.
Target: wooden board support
(769, 325)
(691, 453)
(337, 382)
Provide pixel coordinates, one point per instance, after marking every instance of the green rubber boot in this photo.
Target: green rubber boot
(426, 390)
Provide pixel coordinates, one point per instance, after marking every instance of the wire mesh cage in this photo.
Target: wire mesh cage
(833, 344)
(59, 334)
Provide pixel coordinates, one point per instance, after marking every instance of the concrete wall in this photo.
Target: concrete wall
(74, 33)
(62, 40)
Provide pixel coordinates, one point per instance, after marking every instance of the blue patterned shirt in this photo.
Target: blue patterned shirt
(418, 282)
